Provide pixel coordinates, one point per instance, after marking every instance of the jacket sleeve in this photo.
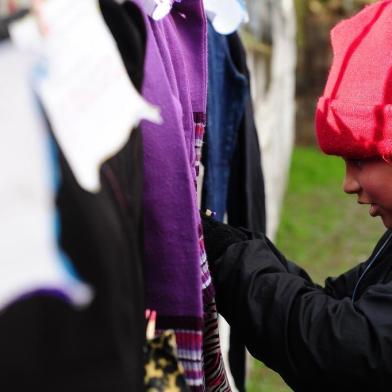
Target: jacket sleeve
(316, 339)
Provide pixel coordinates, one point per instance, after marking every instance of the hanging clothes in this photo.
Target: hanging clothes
(163, 371)
(246, 196)
(48, 345)
(27, 195)
(178, 284)
(227, 97)
(233, 179)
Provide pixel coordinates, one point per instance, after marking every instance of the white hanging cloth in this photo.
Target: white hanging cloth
(91, 103)
(30, 259)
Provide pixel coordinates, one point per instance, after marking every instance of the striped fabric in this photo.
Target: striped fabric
(214, 370)
(199, 135)
(190, 355)
(204, 369)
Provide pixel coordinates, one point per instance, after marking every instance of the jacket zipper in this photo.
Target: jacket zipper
(370, 264)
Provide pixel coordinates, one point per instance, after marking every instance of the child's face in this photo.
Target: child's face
(371, 180)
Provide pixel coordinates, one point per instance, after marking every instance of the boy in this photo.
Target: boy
(337, 337)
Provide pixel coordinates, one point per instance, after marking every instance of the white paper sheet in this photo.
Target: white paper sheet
(87, 94)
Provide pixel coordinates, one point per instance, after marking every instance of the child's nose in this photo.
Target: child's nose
(350, 183)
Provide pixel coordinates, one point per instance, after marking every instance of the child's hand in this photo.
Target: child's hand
(218, 237)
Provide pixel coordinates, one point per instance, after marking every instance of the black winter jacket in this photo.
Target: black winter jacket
(332, 338)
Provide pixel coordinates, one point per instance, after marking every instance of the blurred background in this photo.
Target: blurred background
(308, 216)
(318, 226)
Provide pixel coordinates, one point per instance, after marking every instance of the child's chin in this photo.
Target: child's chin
(387, 221)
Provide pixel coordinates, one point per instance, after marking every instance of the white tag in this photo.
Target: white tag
(30, 260)
(226, 16)
(90, 101)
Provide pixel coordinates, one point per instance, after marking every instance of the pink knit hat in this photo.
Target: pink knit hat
(354, 116)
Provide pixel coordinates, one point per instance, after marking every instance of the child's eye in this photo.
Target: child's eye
(358, 163)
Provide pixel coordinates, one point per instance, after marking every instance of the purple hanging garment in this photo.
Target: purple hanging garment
(177, 280)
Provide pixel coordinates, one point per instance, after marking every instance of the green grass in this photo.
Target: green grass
(322, 229)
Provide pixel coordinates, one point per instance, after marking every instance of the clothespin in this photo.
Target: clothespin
(151, 316)
(12, 6)
(226, 16)
(38, 12)
(157, 9)
(210, 213)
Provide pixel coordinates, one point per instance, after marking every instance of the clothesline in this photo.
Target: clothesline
(120, 105)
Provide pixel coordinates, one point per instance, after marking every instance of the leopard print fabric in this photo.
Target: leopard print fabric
(163, 372)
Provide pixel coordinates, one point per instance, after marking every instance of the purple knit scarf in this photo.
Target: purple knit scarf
(172, 254)
(177, 280)
(175, 80)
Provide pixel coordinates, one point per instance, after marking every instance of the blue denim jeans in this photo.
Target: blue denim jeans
(227, 96)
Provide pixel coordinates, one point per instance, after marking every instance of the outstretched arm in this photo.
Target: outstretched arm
(314, 340)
